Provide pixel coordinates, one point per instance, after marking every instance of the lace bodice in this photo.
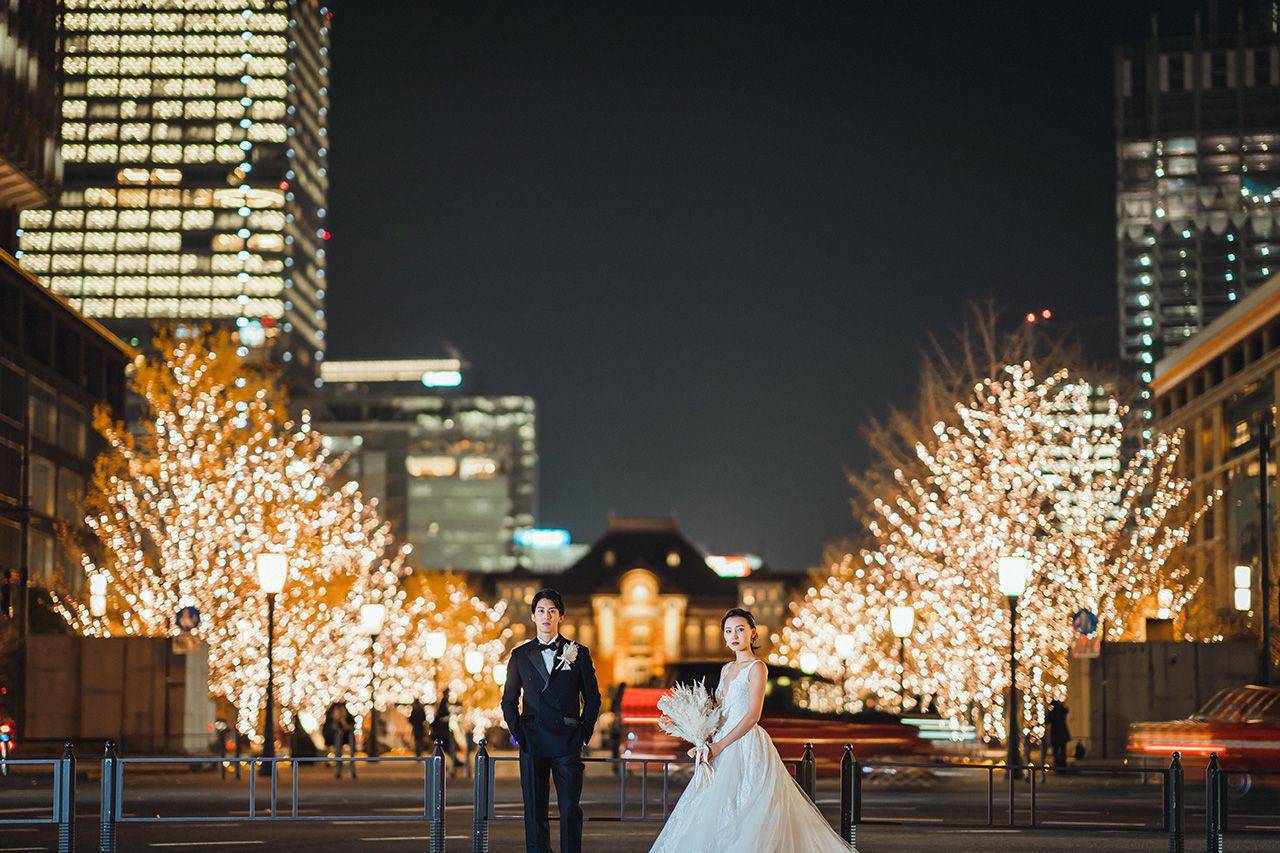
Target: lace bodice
(735, 698)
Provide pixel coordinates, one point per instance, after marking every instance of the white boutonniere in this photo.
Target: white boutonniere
(568, 654)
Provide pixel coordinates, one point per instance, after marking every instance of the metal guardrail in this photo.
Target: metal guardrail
(1032, 778)
(1217, 781)
(1173, 807)
(484, 804)
(112, 801)
(63, 815)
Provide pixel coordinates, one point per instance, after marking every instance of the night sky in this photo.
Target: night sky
(710, 239)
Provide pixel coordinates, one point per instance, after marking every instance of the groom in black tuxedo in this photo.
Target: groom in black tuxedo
(561, 701)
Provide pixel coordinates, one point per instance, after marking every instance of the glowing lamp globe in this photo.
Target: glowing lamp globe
(902, 619)
(844, 645)
(500, 674)
(473, 660)
(1244, 599)
(273, 570)
(808, 662)
(372, 617)
(1244, 578)
(1013, 572)
(436, 643)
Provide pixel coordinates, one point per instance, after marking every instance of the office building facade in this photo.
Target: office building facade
(456, 473)
(56, 366)
(1198, 183)
(194, 136)
(30, 166)
(1217, 388)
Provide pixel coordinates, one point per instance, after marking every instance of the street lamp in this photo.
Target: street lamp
(844, 648)
(1013, 571)
(473, 661)
(371, 618)
(98, 595)
(436, 643)
(1244, 587)
(808, 662)
(273, 570)
(902, 620)
(500, 674)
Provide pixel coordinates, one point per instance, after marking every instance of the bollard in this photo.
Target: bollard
(435, 790)
(107, 828)
(1175, 807)
(480, 802)
(850, 796)
(222, 754)
(807, 773)
(65, 801)
(1212, 806)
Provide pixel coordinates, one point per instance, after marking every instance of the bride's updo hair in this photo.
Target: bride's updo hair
(744, 614)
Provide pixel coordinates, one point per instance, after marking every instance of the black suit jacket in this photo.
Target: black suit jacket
(559, 709)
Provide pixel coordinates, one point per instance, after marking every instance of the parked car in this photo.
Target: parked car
(1240, 724)
(790, 716)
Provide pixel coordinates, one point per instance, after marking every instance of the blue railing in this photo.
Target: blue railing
(651, 772)
(63, 813)
(113, 814)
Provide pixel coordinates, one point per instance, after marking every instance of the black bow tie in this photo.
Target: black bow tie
(544, 646)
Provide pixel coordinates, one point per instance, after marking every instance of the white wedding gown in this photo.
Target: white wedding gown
(752, 804)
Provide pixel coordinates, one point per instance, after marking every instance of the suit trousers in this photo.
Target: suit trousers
(567, 772)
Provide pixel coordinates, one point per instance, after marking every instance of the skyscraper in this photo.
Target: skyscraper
(1197, 183)
(456, 472)
(195, 141)
(29, 162)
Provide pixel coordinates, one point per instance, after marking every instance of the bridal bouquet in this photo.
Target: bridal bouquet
(690, 713)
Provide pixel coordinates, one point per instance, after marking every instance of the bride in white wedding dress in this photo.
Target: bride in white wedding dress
(752, 804)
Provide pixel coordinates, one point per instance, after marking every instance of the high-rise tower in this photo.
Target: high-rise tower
(1198, 181)
(195, 142)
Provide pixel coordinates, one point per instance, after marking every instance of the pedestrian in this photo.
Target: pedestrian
(300, 743)
(442, 730)
(1059, 733)
(418, 725)
(339, 728)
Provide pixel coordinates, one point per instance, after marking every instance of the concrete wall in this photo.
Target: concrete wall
(1135, 682)
(138, 691)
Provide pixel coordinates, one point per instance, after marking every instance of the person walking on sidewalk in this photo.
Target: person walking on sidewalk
(1059, 733)
(418, 725)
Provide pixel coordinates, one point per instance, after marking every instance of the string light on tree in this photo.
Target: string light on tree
(1026, 466)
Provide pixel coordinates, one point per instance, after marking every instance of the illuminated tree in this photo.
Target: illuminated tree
(212, 477)
(1025, 466)
(428, 603)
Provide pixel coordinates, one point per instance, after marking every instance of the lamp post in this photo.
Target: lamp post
(436, 642)
(371, 618)
(844, 648)
(902, 619)
(1013, 572)
(273, 570)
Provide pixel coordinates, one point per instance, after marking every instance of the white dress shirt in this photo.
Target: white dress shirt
(549, 658)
